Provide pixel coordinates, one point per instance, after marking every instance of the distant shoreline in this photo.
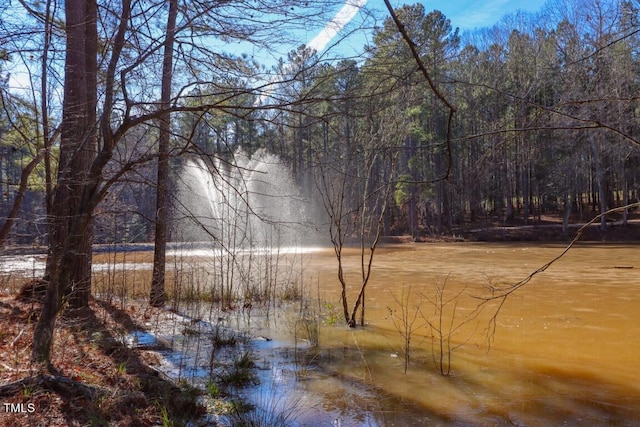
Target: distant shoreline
(552, 232)
(615, 232)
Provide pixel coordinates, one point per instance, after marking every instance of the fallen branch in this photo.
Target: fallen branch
(56, 383)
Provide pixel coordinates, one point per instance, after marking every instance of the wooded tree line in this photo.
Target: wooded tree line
(545, 118)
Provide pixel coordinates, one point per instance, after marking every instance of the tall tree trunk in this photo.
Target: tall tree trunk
(625, 196)
(597, 160)
(568, 203)
(81, 291)
(69, 263)
(78, 145)
(157, 295)
(80, 128)
(526, 193)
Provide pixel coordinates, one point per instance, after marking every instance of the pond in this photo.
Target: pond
(562, 350)
(565, 348)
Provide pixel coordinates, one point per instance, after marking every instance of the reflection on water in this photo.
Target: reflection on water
(209, 251)
(34, 265)
(24, 265)
(565, 350)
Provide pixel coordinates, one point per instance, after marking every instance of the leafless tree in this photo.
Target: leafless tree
(370, 179)
(157, 295)
(405, 321)
(127, 101)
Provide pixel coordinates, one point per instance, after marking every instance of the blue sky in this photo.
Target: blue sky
(469, 14)
(465, 14)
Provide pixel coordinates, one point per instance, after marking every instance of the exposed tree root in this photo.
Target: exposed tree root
(48, 382)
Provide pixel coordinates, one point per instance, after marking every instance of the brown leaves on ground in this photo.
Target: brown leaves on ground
(97, 380)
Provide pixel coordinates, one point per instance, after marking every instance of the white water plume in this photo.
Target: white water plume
(249, 202)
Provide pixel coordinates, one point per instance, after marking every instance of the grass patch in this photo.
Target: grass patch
(273, 408)
(241, 373)
(223, 338)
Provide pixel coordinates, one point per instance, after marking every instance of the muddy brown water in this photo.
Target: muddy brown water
(565, 350)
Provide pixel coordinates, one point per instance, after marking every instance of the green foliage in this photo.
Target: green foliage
(402, 191)
(213, 390)
(538, 99)
(166, 418)
(331, 314)
(241, 373)
(122, 368)
(27, 391)
(245, 361)
(222, 337)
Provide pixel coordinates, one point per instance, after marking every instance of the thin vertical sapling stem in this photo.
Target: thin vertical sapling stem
(444, 325)
(405, 321)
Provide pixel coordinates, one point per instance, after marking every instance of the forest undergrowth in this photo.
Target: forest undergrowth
(97, 380)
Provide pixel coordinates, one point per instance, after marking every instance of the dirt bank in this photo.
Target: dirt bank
(552, 232)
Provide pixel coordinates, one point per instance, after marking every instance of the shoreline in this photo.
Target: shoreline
(543, 232)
